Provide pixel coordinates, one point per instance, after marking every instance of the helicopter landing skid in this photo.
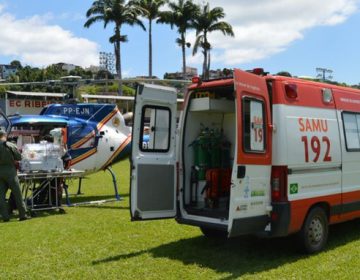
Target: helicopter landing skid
(117, 196)
(79, 187)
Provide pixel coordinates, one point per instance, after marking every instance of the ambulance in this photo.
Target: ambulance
(251, 154)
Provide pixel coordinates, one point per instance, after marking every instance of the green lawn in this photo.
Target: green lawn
(100, 242)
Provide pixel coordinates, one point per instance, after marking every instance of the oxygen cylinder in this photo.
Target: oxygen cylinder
(225, 153)
(203, 153)
(215, 149)
(195, 146)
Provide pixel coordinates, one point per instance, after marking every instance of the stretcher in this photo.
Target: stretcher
(42, 191)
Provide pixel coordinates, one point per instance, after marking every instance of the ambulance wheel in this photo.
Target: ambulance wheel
(213, 233)
(314, 232)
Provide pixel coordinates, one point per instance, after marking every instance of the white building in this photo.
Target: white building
(67, 66)
(6, 71)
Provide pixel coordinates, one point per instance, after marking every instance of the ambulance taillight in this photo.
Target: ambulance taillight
(291, 91)
(196, 80)
(279, 183)
(258, 71)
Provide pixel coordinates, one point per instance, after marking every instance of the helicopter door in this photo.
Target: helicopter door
(4, 122)
(153, 158)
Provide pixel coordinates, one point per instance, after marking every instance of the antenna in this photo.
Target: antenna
(324, 73)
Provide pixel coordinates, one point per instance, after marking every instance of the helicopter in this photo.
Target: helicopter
(95, 136)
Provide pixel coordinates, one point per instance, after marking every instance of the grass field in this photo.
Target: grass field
(100, 242)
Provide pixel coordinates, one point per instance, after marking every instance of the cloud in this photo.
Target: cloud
(127, 73)
(263, 28)
(33, 41)
(70, 16)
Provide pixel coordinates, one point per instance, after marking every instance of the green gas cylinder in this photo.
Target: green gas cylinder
(204, 158)
(215, 148)
(195, 145)
(225, 153)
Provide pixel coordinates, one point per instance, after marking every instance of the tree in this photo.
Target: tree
(284, 73)
(151, 11)
(119, 13)
(205, 22)
(181, 15)
(79, 71)
(16, 64)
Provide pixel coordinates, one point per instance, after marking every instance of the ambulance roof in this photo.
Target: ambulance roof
(230, 81)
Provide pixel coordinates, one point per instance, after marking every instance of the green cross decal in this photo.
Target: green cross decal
(294, 188)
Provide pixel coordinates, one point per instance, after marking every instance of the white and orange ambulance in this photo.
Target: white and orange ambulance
(253, 154)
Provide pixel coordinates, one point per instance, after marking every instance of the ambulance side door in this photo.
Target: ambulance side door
(250, 192)
(4, 122)
(153, 162)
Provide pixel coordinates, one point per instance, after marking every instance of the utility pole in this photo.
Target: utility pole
(324, 73)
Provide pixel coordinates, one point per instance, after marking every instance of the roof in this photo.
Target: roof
(312, 83)
(40, 94)
(41, 119)
(115, 97)
(213, 83)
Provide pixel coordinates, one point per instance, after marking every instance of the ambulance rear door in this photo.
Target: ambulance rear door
(4, 122)
(250, 192)
(153, 158)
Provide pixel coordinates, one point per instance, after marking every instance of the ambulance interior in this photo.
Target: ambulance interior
(208, 152)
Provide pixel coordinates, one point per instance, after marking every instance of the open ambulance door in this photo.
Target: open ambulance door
(250, 198)
(5, 124)
(153, 158)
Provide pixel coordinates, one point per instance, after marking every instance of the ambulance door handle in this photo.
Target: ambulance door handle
(241, 171)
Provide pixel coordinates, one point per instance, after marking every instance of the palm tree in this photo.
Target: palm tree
(181, 15)
(150, 10)
(206, 22)
(120, 13)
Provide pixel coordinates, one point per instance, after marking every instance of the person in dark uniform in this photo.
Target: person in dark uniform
(9, 179)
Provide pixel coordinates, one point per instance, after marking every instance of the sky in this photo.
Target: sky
(280, 35)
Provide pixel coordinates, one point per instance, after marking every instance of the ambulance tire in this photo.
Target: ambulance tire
(314, 233)
(213, 233)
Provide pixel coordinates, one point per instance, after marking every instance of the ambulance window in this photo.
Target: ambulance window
(155, 129)
(352, 131)
(254, 125)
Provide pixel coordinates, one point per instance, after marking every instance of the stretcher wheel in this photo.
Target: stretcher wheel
(214, 233)
(314, 233)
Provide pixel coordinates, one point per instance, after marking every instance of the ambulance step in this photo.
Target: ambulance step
(211, 213)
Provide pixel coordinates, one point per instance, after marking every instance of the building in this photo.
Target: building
(6, 71)
(192, 71)
(67, 66)
(93, 69)
(27, 103)
(215, 74)
(189, 73)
